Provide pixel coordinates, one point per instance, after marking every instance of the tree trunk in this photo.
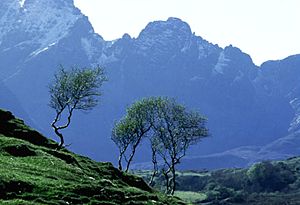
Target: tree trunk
(173, 188)
(166, 174)
(133, 153)
(135, 147)
(155, 168)
(61, 137)
(130, 159)
(57, 118)
(120, 161)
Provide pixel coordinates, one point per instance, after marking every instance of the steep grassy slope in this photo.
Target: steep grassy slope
(32, 171)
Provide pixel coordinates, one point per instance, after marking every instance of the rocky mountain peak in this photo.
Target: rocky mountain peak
(169, 27)
(34, 27)
(171, 34)
(24, 19)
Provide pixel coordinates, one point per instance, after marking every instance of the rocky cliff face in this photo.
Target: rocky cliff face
(246, 105)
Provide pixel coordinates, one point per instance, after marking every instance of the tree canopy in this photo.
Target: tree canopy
(170, 128)
(74, 89)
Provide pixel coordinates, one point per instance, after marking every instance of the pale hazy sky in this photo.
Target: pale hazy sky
(265, 29)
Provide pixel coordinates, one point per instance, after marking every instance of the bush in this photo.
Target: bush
(235, 179)
(192, 183)
(268, 177)
(238, 197)
(219, 193)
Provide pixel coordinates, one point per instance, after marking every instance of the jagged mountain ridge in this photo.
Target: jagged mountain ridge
(165, 59)
(224, 78)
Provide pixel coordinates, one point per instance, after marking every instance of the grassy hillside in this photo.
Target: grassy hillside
(32, 171)
(266, 183)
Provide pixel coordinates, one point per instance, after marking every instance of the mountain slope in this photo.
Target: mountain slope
(10, 102)
(32, 171)
(36, 45)
(246, 105)
(276, 85)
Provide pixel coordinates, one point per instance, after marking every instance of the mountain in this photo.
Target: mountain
(33, 171)
(250, 109)
(280, 79)
(34, 46)
(9, 101)
(277, 84)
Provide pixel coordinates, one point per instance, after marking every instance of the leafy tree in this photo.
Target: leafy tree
(176, 129)
(128, 133)
(269, 177)
(71, 90)
(170, 128)
(125, 136)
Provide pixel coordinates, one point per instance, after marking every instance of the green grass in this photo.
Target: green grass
(190, 197)
(32, 171)
(189, 173)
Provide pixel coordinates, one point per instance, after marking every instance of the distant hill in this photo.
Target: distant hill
(33, 171)
(253, 111)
